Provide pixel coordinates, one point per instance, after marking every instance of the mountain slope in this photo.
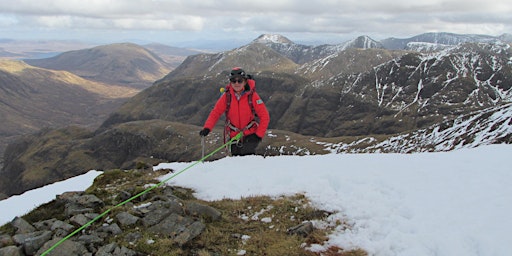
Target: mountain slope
(405, 93)
(484, 127)
(302, 54)
(33, 98)
(253, 58)
(122, 64)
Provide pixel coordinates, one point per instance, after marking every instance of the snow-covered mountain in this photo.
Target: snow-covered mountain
(441, 38)
(485, 127)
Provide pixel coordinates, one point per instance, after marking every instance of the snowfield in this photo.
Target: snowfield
(450, 203)
(446, 203)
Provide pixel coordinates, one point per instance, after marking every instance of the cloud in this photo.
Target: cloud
(372, 17)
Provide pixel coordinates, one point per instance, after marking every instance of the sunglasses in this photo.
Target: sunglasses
(234, 80)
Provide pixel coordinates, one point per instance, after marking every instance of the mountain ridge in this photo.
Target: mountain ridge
(124, 63)
(33, 98)
(396, 93)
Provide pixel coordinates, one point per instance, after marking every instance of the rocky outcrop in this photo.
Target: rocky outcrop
(162, 216)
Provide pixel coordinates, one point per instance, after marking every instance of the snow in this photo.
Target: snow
(444, 203)
(450, 203)
(21, 204)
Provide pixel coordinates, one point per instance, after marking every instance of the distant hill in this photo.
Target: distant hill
(121, 64)
(172, 55)
(32, 98)
(34, 49)
(442, 38)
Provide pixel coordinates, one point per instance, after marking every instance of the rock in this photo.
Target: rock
(22, 226)
(126, 219)
(67, 247)
(31, 242)
(80, 219)
(190, 233)
(133, 237)
(164, 216)
(181, 229)
(58, 224)
(303, 229)
(5, 240)
(11, 251)
(204, 211)
(111, 230)
(90, 201)
(106, 250)
(158, 210)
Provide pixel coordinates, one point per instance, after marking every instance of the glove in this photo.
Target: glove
(252, 138)
(204, 132)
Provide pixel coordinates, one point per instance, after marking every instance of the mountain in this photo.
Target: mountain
(172, 55)
(33, 98)
(121, 64)
(479, 128)
(254, 56)
(389, 95)
(506, 38)
(341, 95)
(442, 38)
(302, 54)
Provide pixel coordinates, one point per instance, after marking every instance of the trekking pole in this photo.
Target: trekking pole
(202, 147)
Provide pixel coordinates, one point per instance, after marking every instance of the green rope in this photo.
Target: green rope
(237, 137)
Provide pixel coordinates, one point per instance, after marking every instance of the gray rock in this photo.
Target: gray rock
(126, 219)
(31, 242)
(58, 224)
(159, 210)
(11, 251)
(90, 201)
(181, 229)
(203, 211)
(112, 229)
(5, 240)
(67, 247)
(303, 229)
(133, 237)
(106, 250)
(22, 226)
(191, 232)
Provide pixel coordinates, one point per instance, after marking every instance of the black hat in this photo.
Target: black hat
(237, 72)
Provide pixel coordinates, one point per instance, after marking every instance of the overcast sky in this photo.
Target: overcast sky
(175, 21)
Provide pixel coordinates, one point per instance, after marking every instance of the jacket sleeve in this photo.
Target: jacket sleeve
(216, 113)
(262, 112)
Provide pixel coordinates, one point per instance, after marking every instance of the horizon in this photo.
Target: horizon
(215, 45)
(177, 22)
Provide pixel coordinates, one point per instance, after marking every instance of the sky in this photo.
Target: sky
(176, 22)
(422, 204)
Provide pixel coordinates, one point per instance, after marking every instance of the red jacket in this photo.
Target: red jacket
(240, 112)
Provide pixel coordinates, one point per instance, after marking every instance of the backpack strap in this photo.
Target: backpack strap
(228, 100)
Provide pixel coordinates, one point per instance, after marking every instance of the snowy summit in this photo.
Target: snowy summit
(272, 38)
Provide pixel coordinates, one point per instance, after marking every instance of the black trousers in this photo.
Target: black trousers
(246, 146)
